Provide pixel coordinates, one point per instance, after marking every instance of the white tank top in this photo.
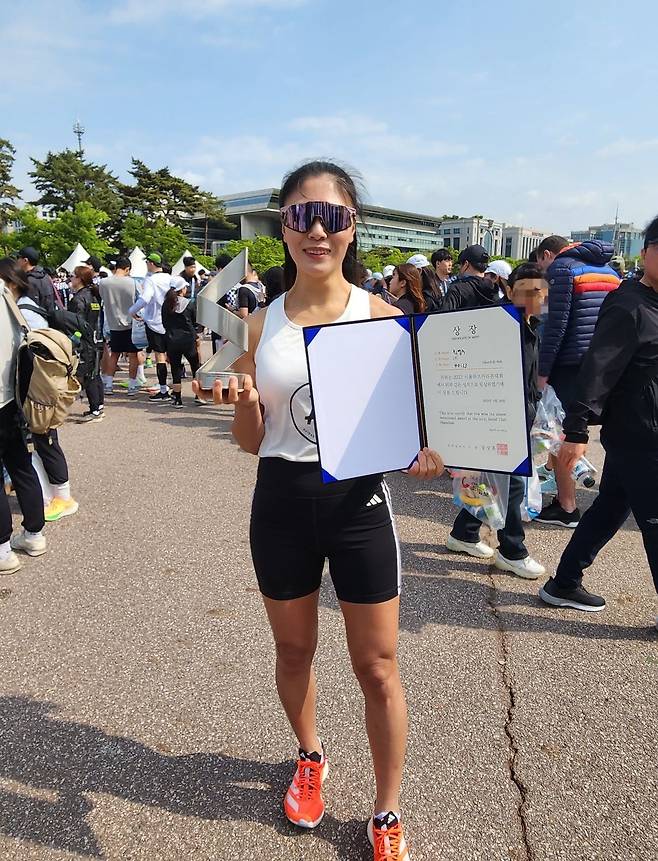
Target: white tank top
(282, 380)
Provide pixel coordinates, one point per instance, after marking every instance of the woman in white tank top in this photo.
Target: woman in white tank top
(298, 522)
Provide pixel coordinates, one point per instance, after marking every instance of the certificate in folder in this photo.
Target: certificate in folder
(383, 389)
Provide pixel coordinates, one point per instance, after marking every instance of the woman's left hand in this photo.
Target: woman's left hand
(428, 464)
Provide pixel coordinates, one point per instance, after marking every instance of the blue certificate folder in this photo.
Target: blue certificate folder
(382, 389)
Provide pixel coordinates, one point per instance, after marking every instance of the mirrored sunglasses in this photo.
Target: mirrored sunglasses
(300, 216)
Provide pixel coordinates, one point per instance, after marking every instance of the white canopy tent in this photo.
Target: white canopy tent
(178, 267)
(137, 263)
(76, 258)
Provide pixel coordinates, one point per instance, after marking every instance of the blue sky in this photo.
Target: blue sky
(536, 114)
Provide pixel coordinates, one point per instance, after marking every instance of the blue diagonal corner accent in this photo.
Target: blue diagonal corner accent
(524, 468)
(309, 333)
(419, 319)
(513, 311)
(405, 322)
(327, 478)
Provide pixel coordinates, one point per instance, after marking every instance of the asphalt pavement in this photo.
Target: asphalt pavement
(138, 713)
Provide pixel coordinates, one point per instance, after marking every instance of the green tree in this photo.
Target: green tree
(264, 251)
(212, 209)
(56, 239)
(8, 191)
(166, 239)
(158, 195)
(64, 179)
(377, 258)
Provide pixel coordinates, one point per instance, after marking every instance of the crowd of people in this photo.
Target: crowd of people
(585, 332)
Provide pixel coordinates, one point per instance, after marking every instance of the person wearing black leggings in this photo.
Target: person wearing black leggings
(179, 321)
(14, 456)
(86, 302)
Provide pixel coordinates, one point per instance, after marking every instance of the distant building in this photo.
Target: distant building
(457, 233)
(519, 242)
(256, 213)
(626, 238)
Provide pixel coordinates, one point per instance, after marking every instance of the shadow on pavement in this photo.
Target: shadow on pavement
(436, 597)
(57, 762)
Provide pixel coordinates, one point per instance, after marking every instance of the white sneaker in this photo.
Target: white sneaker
(479, 550)
(527, 568)
(33, 546)
(10, 563)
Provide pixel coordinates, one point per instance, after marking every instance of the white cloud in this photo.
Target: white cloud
(339, 125)
(627, 146)
(133, 11)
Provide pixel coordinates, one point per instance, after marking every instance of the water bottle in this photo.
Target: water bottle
(584, 472)
(76, 337)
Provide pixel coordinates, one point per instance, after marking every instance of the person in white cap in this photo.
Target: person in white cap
(179, 322)
(498, 272)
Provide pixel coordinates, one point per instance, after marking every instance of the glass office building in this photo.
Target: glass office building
(256, 213)
(627, 239)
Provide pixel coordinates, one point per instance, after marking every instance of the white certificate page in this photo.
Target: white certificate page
(364, 397)
(471, 370)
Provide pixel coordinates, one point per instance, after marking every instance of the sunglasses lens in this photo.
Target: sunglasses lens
(300, 216)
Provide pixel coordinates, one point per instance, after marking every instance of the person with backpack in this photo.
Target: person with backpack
(251, 294)
(179, 321)
(14, 454)
(87, 304)
(45, 437)
(42, 289)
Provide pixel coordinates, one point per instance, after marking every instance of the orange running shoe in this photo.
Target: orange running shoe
(387, 838)
(303, 804)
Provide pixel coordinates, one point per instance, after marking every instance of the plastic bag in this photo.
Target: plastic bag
(138, 334)
(546, 432)
(532, 498)
(483, 494)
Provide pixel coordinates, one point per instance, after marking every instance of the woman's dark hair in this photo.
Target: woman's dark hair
(525, 270)
(360, 274)
(12, 273)
(272, 278)
(408, 273)
(348, 183)
(170, 301)
(430, 282)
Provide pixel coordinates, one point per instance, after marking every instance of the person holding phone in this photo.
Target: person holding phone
(297, 522)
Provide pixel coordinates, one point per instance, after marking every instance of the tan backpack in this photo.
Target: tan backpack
(46, 385)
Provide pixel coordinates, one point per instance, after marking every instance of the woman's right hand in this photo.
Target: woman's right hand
(225, 397)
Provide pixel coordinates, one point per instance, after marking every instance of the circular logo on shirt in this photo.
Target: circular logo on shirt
(301, 413)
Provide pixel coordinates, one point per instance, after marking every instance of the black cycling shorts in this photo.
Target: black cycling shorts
(297, 523)
(157, 341)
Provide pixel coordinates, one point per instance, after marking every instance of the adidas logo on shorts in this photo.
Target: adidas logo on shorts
(376, 500)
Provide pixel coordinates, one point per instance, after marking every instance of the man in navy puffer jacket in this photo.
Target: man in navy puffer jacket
(579, 278)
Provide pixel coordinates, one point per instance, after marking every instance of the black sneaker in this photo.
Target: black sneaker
(555, 515)
(577, 598)
(160, 397)
(177, 403)
(92, 416)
